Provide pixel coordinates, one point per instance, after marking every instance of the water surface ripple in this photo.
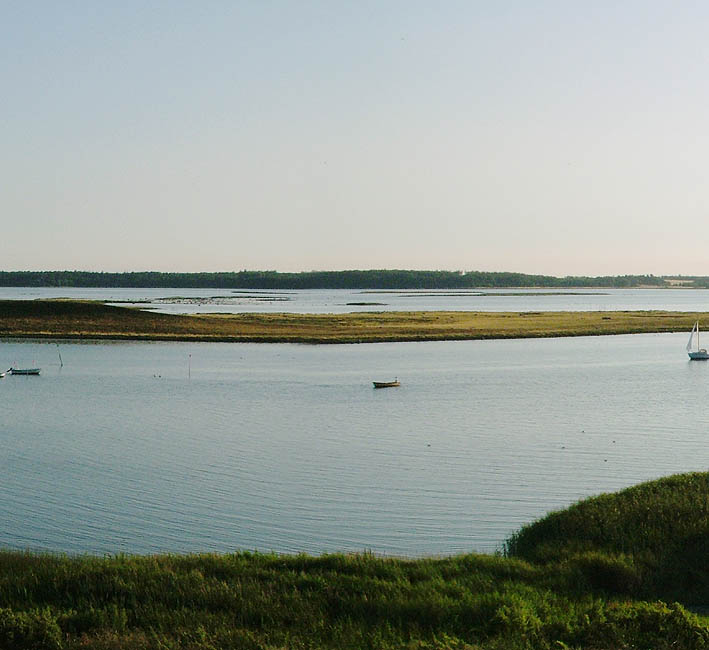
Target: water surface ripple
(288, 448)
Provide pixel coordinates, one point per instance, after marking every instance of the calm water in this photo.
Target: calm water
(334, 301)
(288, 448)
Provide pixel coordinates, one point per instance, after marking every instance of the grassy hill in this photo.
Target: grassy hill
(657, 535)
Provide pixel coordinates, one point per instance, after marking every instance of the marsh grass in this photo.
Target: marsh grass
(79, 319)
(335, 601)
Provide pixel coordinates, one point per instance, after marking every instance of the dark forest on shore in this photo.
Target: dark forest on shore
(363, 279)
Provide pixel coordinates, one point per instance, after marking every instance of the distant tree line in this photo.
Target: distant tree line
(372, 279)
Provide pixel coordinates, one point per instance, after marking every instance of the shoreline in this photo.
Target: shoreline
(597, 574)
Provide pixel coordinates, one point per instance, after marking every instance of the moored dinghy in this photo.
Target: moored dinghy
(386, 384)
(24, 371)
(699, 354)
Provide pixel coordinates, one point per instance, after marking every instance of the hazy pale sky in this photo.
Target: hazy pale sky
(558, 137)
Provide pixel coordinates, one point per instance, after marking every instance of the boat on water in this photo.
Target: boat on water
(386, 384)
(24, 371)
(696, 354)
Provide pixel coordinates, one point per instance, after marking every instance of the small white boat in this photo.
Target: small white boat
(24, 371)
(386, 384)
(697, 354)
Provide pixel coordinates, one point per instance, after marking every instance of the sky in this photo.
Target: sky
(555, 137)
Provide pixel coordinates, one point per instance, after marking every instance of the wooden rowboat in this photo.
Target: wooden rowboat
(386, 384)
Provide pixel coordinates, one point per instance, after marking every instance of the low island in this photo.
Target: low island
(71, 319)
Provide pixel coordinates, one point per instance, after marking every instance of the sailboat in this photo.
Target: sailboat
(699, 354)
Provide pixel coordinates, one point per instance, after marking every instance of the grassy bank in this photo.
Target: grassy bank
(75, 319)
(591, 576)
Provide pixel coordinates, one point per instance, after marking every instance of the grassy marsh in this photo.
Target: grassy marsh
(77, 319)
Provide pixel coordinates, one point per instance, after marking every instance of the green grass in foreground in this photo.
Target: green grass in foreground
(591, 576)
